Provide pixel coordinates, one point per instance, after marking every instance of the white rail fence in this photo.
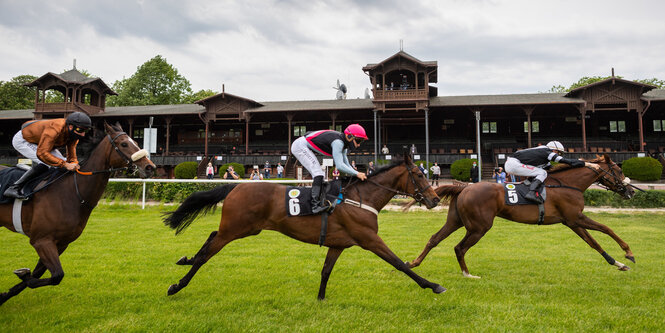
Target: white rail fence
(206, 181)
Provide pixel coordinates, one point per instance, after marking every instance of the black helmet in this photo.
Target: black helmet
(79, 119)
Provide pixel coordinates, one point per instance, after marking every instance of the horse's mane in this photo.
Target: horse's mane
(385, 168)
(88, 145)
(563, 166)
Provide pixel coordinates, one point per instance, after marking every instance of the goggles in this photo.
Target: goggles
(358, 140)
(81, 129)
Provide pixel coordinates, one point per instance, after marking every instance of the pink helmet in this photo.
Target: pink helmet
(356, 130)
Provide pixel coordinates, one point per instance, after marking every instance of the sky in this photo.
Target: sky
(297, 49)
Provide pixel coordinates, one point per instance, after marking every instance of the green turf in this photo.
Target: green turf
(534, 279)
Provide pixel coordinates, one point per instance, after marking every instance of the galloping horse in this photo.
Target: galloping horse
(57, 215)
(243, 215)
(475, 206)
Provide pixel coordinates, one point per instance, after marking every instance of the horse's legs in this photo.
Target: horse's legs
(592, 242)
(185, 261)
(24, 275)
(375, 244)
(469, 240)
(331, 258)
(587, 223)
(452, 224)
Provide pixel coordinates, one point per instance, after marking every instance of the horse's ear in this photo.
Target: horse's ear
(608, 160)
(107, 128)
(407, 158)
(117, 126)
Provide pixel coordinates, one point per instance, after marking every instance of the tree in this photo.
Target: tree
(199, 95)
(654, 82)
(15, 96)
(155, 82)
(586, 80)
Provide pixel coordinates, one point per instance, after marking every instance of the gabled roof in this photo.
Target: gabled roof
(575, 91)
(224, 95)
(401, 54)
(654, 95)
(72, 76)
(510, 99)
(148, 110)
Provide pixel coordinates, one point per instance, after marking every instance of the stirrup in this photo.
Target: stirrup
(13, 192)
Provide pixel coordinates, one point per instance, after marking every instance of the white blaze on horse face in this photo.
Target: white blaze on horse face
(626, 181)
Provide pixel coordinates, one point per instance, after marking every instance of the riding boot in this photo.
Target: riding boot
(318, 205)
(16, 189)
(534, 191)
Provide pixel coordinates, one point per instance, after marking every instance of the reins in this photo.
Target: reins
(417, 195)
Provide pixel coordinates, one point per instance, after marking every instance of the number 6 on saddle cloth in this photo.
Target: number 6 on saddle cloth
(298, 198)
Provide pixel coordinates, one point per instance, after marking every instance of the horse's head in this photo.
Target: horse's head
(419, 185)
(127, 151)
(612, 177)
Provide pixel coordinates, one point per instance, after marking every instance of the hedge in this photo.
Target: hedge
(461, 169)
(186, 170)
(642, 168)
(647, 199)
(237, 167)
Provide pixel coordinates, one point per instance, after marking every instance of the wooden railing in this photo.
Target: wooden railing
(409, 94)
(66, 107)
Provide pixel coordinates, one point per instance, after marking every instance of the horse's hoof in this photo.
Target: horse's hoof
(624, 268)
(182, 261)
(22, 273)
(410, 264)
(631, 258)
(439, 289)
(173, 289)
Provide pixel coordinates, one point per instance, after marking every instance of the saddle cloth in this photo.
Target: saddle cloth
(9, 176)
(299, 198)
(515, 193)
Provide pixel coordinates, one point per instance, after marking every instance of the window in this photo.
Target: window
(617, 126)
(489, 126)
(659, 125)
(299, 130)
(535, 127)
(138, 133)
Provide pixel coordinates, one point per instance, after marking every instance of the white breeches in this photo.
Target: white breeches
(515, 167)
(29, 150)
(300, 149)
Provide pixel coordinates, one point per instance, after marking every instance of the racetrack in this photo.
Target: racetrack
(534, 278)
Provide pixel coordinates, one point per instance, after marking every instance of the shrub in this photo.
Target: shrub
(186, 170)
(642, 168)
(237, 167)
(461, 169)
(647, 199)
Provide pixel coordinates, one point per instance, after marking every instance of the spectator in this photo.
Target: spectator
(370, 168)
(413, 149)
(280, 170)
(474, 173)
(335, 174)
(230, 173)
(256, 174)
(422, 169)
(210, 171)
(436, 173)
(499, 175)
(353, 165)
(385, 150)
(266, 170)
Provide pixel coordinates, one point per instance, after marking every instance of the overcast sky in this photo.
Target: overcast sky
(296, 50)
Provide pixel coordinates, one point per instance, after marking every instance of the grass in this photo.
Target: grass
(534, 278)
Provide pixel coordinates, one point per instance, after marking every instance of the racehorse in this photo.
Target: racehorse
(57, 215)
(243, 215)
(475, 206)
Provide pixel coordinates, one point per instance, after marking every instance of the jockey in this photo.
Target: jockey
(329, 143)
(37, 140)
(531, 162)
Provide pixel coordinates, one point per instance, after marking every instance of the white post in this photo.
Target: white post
(143, 199)
(480, 165)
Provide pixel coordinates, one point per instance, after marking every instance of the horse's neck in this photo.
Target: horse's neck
(92, 187)
(581, 178)
(378, 196)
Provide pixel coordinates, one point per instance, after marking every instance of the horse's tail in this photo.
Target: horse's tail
(195, 204)
(445, 192)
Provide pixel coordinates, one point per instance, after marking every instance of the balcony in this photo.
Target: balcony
(401, 95)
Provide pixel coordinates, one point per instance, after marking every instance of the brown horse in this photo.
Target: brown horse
(57, 215)
(475, 206)
(350, 224)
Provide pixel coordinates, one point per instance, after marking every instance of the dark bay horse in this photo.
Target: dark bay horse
(57, 215)
(475, 206)
(243, 215)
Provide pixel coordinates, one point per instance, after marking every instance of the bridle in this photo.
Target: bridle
(610, 177)
(129, 160)
(418, 193)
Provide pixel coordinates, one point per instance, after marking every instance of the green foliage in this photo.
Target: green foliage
(155, 82)
(186, 170)
(237, 167)
(177, 192)
(586, 80)
(642, 168)
(199, 95)
(461, 169)
(654, 82)
(603, 198)
(15, 96)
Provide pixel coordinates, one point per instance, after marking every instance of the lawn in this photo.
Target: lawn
(534, 278)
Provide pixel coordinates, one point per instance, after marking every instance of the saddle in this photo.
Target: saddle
(298, 198)
(515, 196)
(10, 175)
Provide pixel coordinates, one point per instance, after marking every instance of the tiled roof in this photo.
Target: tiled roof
(510, 99)
(335, 104)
